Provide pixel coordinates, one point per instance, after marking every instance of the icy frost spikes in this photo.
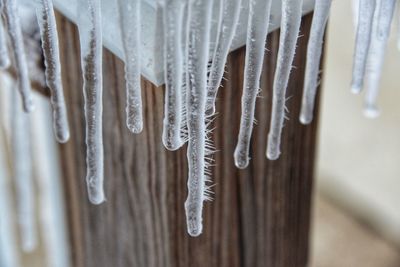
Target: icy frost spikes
(363, 40)
(227, 29)
(11, 15)
(290, 24)
(173, 11)
(130, 23)
(91, 59)
(197, 60)
(49, 36)
(4, 58)
(314, 51)
(257, 30)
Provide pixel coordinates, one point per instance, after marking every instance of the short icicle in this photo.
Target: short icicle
(49, 36)
(227, 29)
(22, 166)
(4, 58)
(173, 11)
(314, 51)
(363, 40)
(257, 31)
(91, 59)
(291, 19)
(197, 60)
(380, 35)
(10, 11)
(130, 24)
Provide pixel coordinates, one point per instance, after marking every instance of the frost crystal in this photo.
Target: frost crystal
(291, 18)
(257, 30)
(91, 60)
(49, 36)
(129, 12)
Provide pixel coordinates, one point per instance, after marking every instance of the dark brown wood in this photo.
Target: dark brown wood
(259, 217)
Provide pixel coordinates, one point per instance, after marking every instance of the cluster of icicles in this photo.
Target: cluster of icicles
(191, 84)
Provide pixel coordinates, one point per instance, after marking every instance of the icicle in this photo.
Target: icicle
(197, 61)
(257, 30)
(130, 23)
(227, 29)
(363, 40)
(48, 31)
(91, 60)
(173, 63)
(398, 26)
(23, 176)
(4, 58)
(291, 18)
(11, 15)
(314, 51)
(380, 34)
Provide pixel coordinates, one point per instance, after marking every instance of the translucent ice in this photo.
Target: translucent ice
(257, 30)
(91, 59)
(4, 58)
(49, 36)
(129, 13)
(291, 18)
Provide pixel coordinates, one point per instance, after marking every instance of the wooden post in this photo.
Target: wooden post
(260, 216)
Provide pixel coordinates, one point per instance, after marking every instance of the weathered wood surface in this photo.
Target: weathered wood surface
(260, 216)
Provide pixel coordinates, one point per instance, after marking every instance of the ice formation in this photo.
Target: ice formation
(314, 51)
(129, 13)
(257, 30)
(91, 59)
(380, 34)
(191, 83)
(173, 11)
(197, 61)
(10, 11)
(291, 18)
(48, 30)
(22, 166)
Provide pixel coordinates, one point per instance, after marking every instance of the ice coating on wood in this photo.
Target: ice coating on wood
(49, 36)
(4, 58)
(11, 16)
(129, 12)
(173, 11)
(363, 40)
(197, 60)
(257, 30)
(22, 166)
(91, 60)
(380, 34)
(314, 51)
(227, 28)
(291, 18)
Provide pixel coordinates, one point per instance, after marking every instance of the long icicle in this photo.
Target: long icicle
(4, 58)
(11, 15)
(130, 23)
(197, 60)
(22, 165)
(380, 35)
(49, 36)
(227, 29)
(91, 60)
(314, 51)
(257, 31)
(291, 19)
(363, 40)
(173, 65)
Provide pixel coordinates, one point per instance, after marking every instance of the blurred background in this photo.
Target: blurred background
(356, 210)
(356, 214)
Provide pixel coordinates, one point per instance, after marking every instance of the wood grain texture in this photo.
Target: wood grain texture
(260, 216)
